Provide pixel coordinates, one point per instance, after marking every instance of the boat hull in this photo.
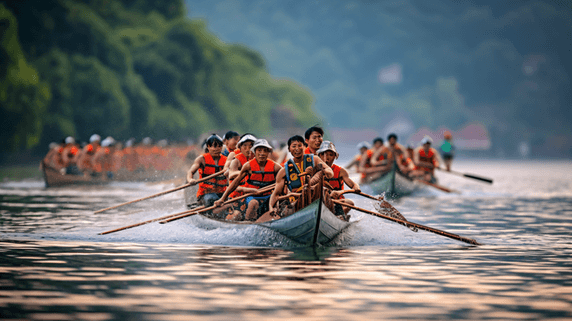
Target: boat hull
(394, 185)
(315, 224)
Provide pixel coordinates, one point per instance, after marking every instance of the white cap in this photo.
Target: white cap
(94, 138)
(246, 138)
(261, 143)
(53, 145)
(70, 140)
(326, 146)
(426, 140)
(364, 144)
(107, 142)
(147, 141)
(162, 143)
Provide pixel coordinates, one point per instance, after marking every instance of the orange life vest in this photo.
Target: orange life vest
(369, 155)
(261, 177)
(308, 151)
(427, 158)
(213, 185)
(336, 182)
(242, 159)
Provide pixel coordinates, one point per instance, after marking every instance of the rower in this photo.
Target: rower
(84, 160)
(230, 140)
(261, 172)
(426, 159)
(328, 154)
(207, 164)
(388, 155)
(290, 177)
(102, 160)
(230, 157)
(362, 147)
(365, 166)
(69, 156)
(314, 137)
(244, 156)
(447, 150)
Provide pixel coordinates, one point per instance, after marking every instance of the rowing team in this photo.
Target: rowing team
(249, 168)
(419, 163)
(105, 157)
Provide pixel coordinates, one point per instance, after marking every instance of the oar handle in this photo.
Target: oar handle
(439, 187)
(162, 193)
(232, 200)
(411, 224)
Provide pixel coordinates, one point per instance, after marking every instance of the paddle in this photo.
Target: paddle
(162, 193)
(199, 209)
(232, 200)
(411, 224)
(484, 179)
(439, 187)
(392, 211)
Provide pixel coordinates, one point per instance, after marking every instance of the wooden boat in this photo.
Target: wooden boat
(315, 224)
(394, 184)
(54, 178)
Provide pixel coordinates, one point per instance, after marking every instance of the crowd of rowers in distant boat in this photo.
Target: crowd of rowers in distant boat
(279, 182)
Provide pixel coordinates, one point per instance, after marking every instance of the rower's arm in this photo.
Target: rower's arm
(327, 169)
(231, 157)
(375, 156)
(195, 167)
(280, 179)
(349, 182)
(234, 171)
(243, 172)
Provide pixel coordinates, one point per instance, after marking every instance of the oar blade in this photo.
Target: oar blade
(484, 179)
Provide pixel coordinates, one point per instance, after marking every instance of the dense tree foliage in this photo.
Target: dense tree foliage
(130, 68)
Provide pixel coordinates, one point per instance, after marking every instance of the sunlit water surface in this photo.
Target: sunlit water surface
(54, 266)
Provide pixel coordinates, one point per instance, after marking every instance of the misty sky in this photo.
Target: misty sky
(443, 62)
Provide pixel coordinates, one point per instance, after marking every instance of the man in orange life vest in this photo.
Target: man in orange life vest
(365, 167)
(426, 159)
(388, 155)
(314, 137)
(84, 160)
(290, 177)
(244, 156)
(209, 163)
(362, 147)
(328, 154)
(261, 172)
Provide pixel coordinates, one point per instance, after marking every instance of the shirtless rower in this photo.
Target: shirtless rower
(209, 163)
(426, 158)
(290, 177)
(261, 172)
(328, 154)
(313, 138)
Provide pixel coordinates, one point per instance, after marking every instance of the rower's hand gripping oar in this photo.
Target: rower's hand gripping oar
(194, 211)
(483, 179)
(411, 224)
(164, 192)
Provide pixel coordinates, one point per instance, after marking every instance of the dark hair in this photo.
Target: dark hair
(230, 134)
(378, 139)
(296, 138)
(311, 130)
(214, 139)
(392, 135)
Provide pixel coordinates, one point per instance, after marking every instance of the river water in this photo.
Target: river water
(55, 266)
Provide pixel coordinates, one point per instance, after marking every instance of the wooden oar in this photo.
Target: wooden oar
(411, 224)
(199, 209)
(232, 200)
(162, 193)
(439, 187)
(484, 179)
(380, 206)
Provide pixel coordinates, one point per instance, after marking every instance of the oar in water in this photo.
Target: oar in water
(162, 193)
(484, 179)
(232, 200)
(196, 210)
(411, 224)
(383, 207)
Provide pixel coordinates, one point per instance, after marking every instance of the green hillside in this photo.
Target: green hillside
(130, 68)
